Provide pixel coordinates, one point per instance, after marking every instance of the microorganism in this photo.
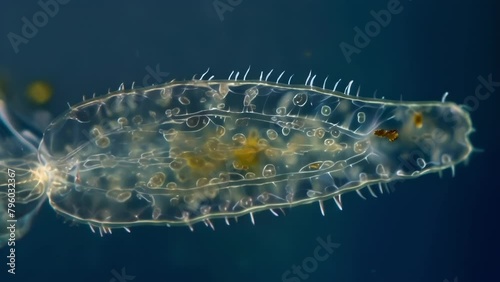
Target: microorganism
(192, 151)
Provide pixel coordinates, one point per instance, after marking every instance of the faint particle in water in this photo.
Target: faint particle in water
(39, 92)
(418, 119)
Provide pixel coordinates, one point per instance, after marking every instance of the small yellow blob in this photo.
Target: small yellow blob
(196, 162)
(39, 92)
(315, 166)
(418, 120)
(248, 153)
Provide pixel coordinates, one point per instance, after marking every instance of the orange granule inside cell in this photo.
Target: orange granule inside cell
(392, 134)
(418, 120)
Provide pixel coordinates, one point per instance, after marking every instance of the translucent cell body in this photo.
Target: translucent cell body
(188, 151)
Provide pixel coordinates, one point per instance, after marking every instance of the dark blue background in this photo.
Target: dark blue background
(429, 229)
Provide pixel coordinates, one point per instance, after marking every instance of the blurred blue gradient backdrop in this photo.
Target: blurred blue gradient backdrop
(429, 229)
